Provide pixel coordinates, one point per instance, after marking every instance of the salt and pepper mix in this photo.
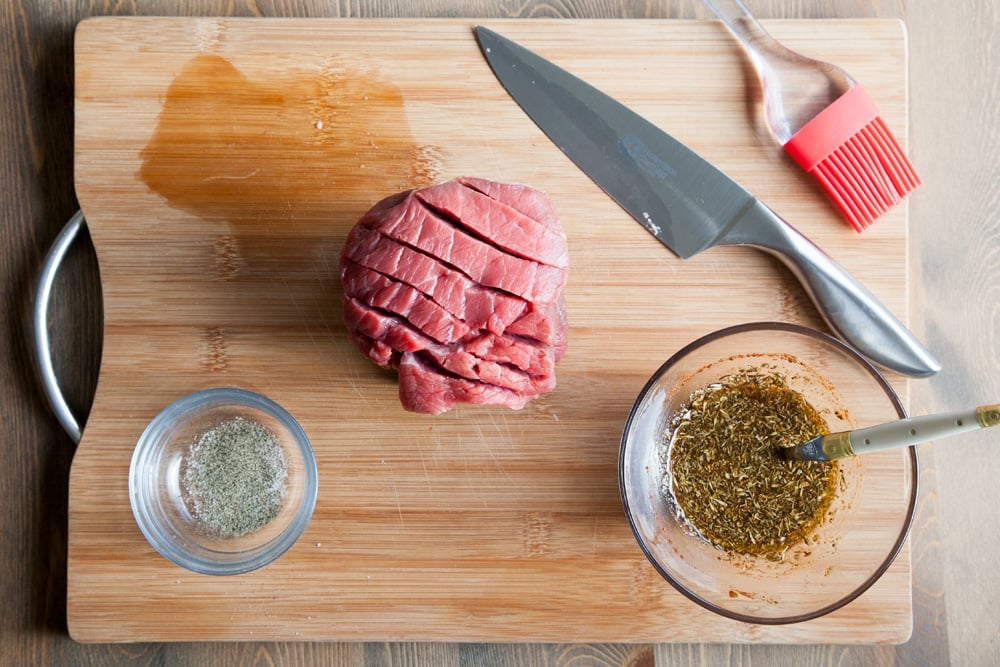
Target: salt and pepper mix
(233, 478)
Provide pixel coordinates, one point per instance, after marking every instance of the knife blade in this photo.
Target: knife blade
(686, 202)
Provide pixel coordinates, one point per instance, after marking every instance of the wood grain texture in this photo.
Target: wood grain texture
(954, 143)
(220, 165)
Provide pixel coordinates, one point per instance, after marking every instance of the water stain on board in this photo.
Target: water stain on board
(307, 146)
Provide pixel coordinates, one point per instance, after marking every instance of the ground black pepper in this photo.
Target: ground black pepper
(234, 478)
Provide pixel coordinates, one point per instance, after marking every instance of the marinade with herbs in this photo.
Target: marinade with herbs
(725, 472)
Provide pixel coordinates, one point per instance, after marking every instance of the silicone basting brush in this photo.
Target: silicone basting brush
(826, 122)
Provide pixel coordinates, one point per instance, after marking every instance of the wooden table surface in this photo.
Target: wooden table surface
(955, 273)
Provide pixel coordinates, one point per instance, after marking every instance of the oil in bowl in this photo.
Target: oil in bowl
(223, 481)
(724, 472)
(719, 512)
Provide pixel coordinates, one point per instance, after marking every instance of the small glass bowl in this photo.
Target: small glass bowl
(155, 483)
(862, 532)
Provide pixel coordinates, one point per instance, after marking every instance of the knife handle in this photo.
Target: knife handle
(851, 311)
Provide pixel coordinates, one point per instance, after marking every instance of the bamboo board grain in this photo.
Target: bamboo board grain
(220, 164)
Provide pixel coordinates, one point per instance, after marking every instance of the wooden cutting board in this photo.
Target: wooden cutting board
(220, 164)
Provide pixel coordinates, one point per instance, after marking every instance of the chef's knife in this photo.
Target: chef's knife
(687, 203)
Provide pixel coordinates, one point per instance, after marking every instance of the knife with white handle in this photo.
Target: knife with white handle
(687, 203)
(902, 433)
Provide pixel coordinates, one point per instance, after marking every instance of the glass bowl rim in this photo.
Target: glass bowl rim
(152, 528)
(865, 365)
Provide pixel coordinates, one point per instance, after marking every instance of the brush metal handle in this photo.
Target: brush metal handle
(852, 312)
(902, 433)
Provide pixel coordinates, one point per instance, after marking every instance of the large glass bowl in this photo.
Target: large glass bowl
(163, 512)
(868, 521)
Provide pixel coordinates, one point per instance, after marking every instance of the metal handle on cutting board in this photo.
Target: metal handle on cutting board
(43, 352)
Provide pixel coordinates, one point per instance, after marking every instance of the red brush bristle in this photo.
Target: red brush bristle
(849, 149)
(867, 175)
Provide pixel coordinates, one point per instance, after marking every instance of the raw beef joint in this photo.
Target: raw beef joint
(458, 287)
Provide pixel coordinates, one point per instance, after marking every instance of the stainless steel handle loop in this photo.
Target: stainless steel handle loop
(43, 352)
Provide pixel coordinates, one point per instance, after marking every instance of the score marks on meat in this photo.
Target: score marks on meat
(458, 286)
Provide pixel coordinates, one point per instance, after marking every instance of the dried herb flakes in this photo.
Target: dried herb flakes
(725, 474)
